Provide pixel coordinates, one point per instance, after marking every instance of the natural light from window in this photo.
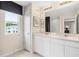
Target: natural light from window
(11, 22)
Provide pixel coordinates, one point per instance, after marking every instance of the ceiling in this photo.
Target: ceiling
(43, 3)
(23, 3)
(38, 3)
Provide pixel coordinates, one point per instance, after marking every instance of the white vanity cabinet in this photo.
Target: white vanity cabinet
(71, 51)
(56, 48)
(71, 48)
(48, 47)
(38, 45)
(41, 45)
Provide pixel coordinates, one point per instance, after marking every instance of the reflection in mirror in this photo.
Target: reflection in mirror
(47, 24)
(52, 21)
(77, 24)
(55, 24)
(70, 24)
(52, 24)
(64, 19)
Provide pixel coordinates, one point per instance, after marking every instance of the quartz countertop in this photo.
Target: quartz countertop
(66, 38)
(63, 37)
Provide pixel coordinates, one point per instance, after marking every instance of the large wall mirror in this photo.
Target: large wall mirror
(70, 22)
(71, 19)
(52, 21)
(52, 24)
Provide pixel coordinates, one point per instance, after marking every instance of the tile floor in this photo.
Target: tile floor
(24, 53)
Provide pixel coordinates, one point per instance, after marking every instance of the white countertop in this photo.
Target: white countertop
(67, 38)
(63, 37)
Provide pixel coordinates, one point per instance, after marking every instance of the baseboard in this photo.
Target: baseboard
(38, 54)
(29, 51)
(5, 55)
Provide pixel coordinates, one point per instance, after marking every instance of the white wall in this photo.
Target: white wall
(10, 43)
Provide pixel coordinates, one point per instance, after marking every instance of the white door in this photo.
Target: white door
(27, 33)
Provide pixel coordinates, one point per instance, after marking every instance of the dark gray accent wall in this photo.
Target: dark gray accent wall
(11, 7)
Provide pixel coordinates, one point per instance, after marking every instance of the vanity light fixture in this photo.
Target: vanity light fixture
(62, 3)
(47, 8)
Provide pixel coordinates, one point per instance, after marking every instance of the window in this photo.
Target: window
(11, 22)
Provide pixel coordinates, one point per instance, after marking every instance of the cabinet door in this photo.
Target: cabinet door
(38, 45)
(46, 47)
(56, 49)
(71, 51)
(42, 46)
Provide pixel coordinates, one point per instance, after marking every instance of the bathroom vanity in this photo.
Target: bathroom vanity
(56, 46)
(60, 44)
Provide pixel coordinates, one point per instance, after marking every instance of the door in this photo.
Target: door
(27, 33)
(47, 24)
